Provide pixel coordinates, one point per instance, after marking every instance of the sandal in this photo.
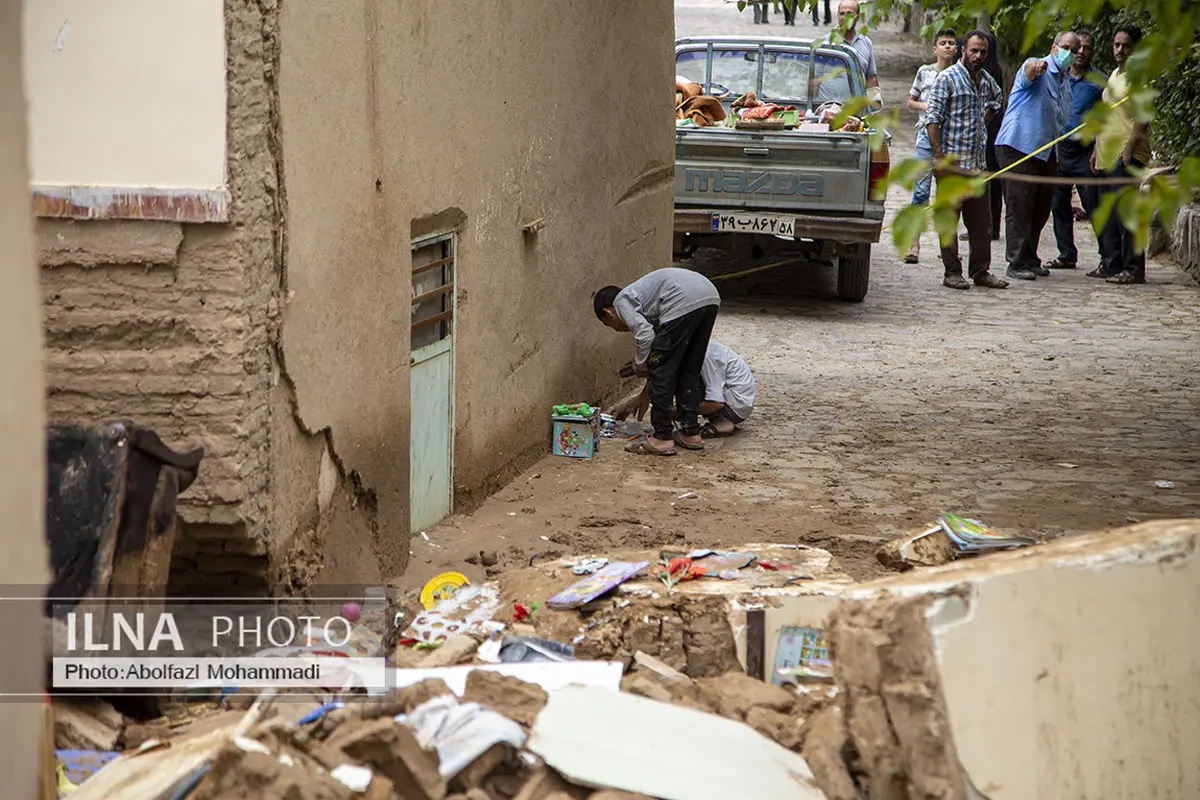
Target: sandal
(1059, 263)
(641, 446)
(686, 445)
(1124, 277)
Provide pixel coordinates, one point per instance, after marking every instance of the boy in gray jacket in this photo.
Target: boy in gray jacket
(670, 313)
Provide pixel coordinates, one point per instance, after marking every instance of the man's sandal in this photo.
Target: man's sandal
(641, 446)
(686, 445)
(1059, 263)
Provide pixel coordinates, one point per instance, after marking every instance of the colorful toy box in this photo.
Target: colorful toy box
(576, 430)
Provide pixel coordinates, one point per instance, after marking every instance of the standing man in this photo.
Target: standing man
(963, 100)
(828, 14)
(945, 43)
(1038, 107)
(670, 313)
(789, 12)
(1120, 263)
(992, 67)
(861, 45)
(762, 9)
(1075, 157)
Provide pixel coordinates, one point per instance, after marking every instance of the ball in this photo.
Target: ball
(351, 611)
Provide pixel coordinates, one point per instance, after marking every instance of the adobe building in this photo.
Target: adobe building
(346, 248)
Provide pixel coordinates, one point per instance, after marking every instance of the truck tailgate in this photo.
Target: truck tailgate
(786, 171)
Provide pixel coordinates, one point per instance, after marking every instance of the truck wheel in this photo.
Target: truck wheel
(854, 271)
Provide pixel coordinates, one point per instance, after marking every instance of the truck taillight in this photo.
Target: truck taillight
(879, 170)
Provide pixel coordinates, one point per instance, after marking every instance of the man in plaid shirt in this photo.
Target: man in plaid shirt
(962, 102)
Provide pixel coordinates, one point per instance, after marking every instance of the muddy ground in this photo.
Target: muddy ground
(1049, 409)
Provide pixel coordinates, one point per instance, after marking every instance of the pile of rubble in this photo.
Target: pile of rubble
(503, 738)
(936, 684)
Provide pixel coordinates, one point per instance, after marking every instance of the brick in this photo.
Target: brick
(391, 749)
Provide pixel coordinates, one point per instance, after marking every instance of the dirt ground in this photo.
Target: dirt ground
(1049, 409)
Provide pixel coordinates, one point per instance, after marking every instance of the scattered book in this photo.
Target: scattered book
(970, 535)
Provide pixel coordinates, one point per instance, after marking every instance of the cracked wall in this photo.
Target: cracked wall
(400, 120)
(170, 324)
(279, 341)
(1065, 670)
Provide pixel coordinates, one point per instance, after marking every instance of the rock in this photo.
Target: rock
(735, 693)
(781, 728)
(489, 558)
(455, 651)
(826, 746)
(514, 698)
(812, 699)
(391, 749)
(474, 774)
(546, 784)
(137, 734)
(239, 775)
(917, 550)
(659, 667)
(643, 685)
(86, 725)
(419, 693)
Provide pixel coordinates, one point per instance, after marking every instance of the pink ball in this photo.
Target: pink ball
(351, 611)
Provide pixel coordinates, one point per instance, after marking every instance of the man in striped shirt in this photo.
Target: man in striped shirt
(962, 102)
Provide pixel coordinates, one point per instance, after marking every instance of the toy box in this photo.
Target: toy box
(576, 435)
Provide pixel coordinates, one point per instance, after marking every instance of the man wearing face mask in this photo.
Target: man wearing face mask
(1038, 107)
(1075, 157)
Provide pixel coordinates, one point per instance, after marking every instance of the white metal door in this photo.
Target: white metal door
(431, 378)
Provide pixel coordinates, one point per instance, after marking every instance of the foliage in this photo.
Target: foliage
(1164, 76)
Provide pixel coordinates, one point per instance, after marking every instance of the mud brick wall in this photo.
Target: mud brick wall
(171, 325)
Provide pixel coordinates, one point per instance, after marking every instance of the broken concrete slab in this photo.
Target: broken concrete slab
(1054, 671)
(152, 773)
(619, 741)
(546, 783)
(393, 750)
(735, 693)
(512, 697)
(86, 724)
(550, 676)
(928, 548)
(807, 605)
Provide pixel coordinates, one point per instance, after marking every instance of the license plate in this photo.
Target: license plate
(769, 224)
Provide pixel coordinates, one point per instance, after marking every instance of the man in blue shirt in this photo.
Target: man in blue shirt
(1038, 107)
(1074, 157)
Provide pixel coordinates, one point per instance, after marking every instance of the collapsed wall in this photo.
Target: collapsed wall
(1064, 670)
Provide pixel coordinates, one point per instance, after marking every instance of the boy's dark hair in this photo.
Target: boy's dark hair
(604, 299)
(1134, 32)
(1085, 34)
(943, 33)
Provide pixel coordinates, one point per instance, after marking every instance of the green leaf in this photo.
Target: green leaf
(850, 108)
(907, 226)
(1103, 211)
(945, 222)
(1149, 58)
(741, 5)
(906, 173)
(1035, 25)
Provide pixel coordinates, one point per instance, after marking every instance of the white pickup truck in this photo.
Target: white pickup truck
(746, 190)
